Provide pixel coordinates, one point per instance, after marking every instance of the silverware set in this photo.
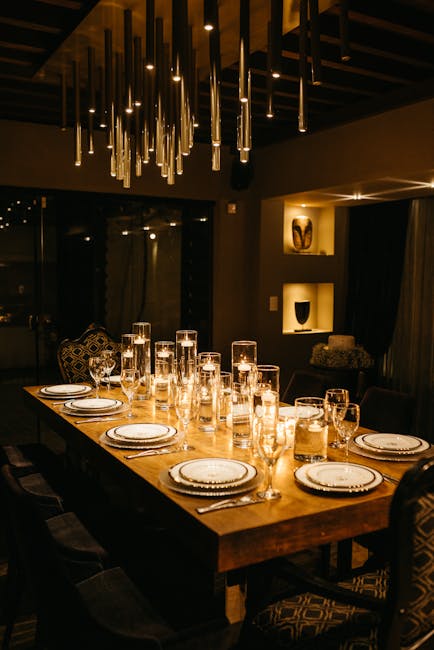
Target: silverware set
(154, 452)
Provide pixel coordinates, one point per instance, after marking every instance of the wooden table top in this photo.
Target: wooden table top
(233, 538)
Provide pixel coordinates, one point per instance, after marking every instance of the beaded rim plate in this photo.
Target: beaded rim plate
(119, 444)
(209, 491)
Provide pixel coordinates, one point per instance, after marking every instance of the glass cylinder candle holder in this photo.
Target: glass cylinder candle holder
(164, 374)
(208, 388)
(244, 356)
(225, 395)
(128, 361)
(142, 353)
(186, 350)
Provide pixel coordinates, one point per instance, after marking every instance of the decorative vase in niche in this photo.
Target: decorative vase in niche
(302, 311)
(302, 233)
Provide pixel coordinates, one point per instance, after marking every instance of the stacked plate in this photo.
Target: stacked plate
(115, 380)
(64, 391)
(93, 406)
(389, 446)
(211, 477)
(338, 478)
(140, 435)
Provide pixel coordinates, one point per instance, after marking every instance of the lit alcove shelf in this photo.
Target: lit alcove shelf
(318, 297)
(308, 230)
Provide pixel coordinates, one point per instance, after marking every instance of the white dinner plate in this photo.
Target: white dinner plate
(392, 442)
(287, 411)
(65, 390)
(191, 490)
(92, 404)
(213, 471)
(119, 408)
(342, 475)
(207, 467)
(388, 445)
(115, 380)
(302, 476)
(304, 412)
(141, 432)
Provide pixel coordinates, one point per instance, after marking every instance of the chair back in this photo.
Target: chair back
(73, 354)
(304, 383)
(386, 410)
(409, 620)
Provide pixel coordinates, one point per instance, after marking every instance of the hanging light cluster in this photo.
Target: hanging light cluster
(148, 103)
(146, 99)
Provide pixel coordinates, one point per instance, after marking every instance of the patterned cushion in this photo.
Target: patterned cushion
(73, 355)
(420, 612)
(311, 621)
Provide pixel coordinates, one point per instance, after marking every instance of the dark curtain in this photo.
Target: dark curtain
(377, 235)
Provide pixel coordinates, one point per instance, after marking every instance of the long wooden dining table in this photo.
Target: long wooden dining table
(228, 539)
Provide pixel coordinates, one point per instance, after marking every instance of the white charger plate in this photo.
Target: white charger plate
(342, 475)
(301, 475)
(199, 467)
(119, 408)
(118, 444)
(190, 490)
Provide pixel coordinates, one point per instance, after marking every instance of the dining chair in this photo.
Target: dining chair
(304, 383)
(102, 609)
(82, 553)
(73, 354)
(386, 410)
(389, 608)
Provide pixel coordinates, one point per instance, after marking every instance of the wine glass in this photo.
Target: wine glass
(109, 364)
(270, 443)
(302, 311)
(186, 406)
(97, 370)
(335, 396)
(346, 419)
(130, 382)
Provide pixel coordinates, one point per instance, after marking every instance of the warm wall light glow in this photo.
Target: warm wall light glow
(146, 227)
(172, 224)
(125, 233)
(152, 235)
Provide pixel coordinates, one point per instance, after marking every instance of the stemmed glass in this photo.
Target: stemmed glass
(270, 443)
(186, 405)
(335, 396)
(130, 382)
(97, 371)
(346, 419)
(109, 364)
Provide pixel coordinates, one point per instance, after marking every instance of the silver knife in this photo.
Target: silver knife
(100, 419)
(245, 500)
(152, 452)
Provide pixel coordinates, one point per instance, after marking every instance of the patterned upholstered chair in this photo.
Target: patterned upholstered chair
(390, 608)
(73, 354)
